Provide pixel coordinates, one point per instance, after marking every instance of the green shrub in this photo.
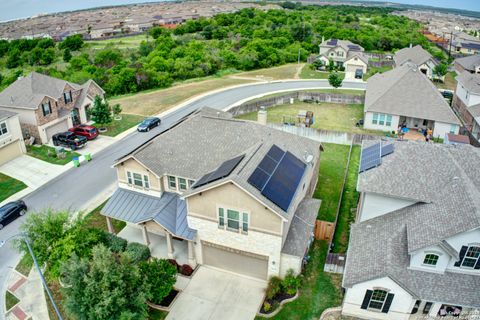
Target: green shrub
(266, 306)
(160, 276)
(291, 283)
(115, 243)
(274, 287)
(139, 252)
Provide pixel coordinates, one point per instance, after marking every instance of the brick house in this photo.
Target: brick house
(48, 105)
(466, 101)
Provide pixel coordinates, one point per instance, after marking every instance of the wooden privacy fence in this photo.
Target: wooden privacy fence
(324, 230)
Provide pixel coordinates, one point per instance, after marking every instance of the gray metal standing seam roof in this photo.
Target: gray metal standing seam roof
(169, 210)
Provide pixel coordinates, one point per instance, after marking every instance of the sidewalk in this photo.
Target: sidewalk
(29, 291)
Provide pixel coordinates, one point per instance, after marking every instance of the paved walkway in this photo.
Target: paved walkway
(30, 292)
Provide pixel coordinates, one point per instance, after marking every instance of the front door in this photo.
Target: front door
(75, 116)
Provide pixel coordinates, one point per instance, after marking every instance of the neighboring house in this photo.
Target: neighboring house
(470, 64)
(466, 102)
(418, 56)
(11, 140)
(48, 105)
(451, 138)
(238, 192)
(405, 97)
(414, 250)
(466, 47)
(344, 54)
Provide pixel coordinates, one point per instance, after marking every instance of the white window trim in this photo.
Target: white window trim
(383, 303)
(143, 175)
(465, 256)
(3, 135)
(241, 212)
(168, 182)
(177, 183)
(430, 265)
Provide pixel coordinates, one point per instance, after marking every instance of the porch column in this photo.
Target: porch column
(110, 225)
(169, 245)
(145, 234)
(191, 255)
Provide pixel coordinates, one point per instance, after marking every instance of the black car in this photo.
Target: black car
(148, 123)
(11, 211)
(69, 139)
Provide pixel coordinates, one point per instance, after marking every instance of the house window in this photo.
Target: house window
(138, 179)
(430, 259)
(182, 183)
(453, 128)
(388, 123)
(471, 257)
(221, 218)
(233, 220)
(172, 182)
(378, 299)
(67, 96)
(3, 128)
(375, 118)
(245, 222)
(46, 108)
(382, 119)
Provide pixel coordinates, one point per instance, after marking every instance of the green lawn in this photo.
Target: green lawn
(318, 291)
(333, 162)
(373, 70)
(328, 116)
(47, 153)
(95, 220)
(9, 186)
(10, 300)
(25, 265)
(349, 201)
(308, 73)
(117, 127)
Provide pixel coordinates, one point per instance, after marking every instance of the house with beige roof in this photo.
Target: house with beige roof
(418, 56)
(404, 97)
(46, 105)
(414, 249)
(212, 190)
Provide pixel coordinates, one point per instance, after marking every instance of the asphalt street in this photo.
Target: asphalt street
(76, 188)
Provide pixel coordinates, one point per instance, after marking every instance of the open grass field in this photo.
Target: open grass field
(308, 73)
(130, 42)
(118, 126)
(328, 116)
(286, 71)
(9, 186)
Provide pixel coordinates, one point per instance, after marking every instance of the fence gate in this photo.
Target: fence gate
(324, 230)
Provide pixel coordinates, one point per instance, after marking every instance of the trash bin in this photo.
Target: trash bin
(76, 162)
(88, 156)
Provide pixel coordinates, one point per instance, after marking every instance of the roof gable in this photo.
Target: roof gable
(416, 55)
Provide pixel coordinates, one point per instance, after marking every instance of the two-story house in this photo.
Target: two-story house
(414, 250)
(466, 102)
(233, 194)
(404, 97)
(418, 56)
(344, 54)
(48, 105)
(11, 140)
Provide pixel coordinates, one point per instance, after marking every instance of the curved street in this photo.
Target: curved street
(77, 188)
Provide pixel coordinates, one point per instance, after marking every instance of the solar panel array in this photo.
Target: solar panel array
(353, 47)
(221, 172)
(372, 155)
(277, 176)
(332, 42)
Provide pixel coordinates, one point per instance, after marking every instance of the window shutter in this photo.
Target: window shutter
(49, 107)
(366, 299)
(43, 110)
(462, 254)
(388, 303)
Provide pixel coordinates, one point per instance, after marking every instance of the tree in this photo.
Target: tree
(73, 43)
(101, 112)
(67, 55)
(440, 69)
(13, 59)
(109, 286)
(116, 109)
(156, 32)
(335, 80)
(48, 56)
(160, 276)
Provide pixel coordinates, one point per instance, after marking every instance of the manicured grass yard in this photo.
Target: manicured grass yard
(318, 291)
(332, 169)
(47, 153)
(25, 265)
(10, 300)
(308, 73)
(449, 83)
(349, 201)
(9, 186)
(373, 70)
(95, 220)
(328, 116)
(116, 127)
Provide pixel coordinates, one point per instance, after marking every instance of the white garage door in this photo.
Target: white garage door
(10, 152)
(237, 261)
(353, 68)
(62, 126)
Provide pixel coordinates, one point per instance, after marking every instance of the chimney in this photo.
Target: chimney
(323, 39)
(262, 116)
(411, 45)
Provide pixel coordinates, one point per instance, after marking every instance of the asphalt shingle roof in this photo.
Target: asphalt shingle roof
(406, 91)
(470, 81)
(469, 62)
(6, 114)
(416, 55)
(446, 181)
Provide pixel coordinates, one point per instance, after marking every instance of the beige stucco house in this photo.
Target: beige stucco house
(47, 105)
(344, 54)
(236, 195)
(11, 140)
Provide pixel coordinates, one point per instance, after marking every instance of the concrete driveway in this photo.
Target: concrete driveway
(217, 295)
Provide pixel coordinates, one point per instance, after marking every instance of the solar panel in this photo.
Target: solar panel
(268, 165)
(258, 179)
(282, 185)
(332, 42)
(370, 157)
(275, 153)
(222, 171)
(353, 47)
(387, 149)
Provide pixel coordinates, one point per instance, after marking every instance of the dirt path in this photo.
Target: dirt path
(299, 70)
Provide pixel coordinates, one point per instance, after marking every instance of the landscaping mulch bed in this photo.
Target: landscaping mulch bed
(169, 299)
(275, 302)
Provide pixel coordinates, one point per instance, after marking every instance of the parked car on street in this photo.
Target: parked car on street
(148, 123)
(11, 211)
(89, 132)
(69, 139)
